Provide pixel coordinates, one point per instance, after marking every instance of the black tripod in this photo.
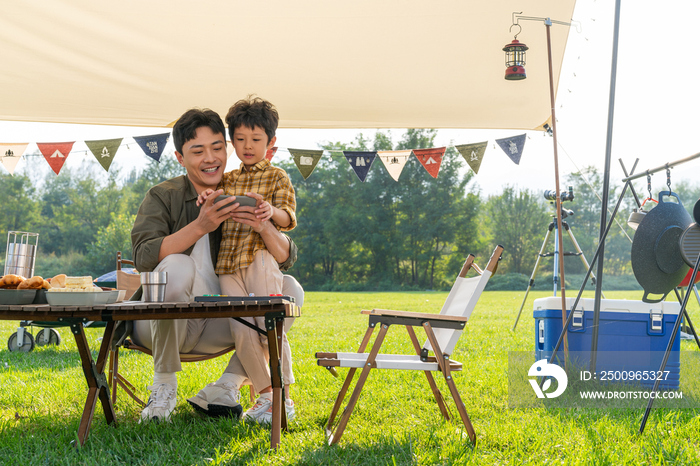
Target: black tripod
(553, 227)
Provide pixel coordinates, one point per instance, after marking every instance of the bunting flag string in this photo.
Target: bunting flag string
(394, 161)
(104, 150)
(11, 154)
(431, 159)
(473, 154)
(306, 160)
(153, 146)
(361, 162)
(513, 147)
(55, 153)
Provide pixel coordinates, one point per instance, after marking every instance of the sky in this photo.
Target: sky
(656, 106)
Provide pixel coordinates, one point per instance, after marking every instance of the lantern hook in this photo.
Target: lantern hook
(515, 23)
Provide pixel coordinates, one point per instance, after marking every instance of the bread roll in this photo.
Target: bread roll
(11, 281)
(33, 283)
(59, 281)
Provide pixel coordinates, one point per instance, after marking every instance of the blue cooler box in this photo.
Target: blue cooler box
(642, 330)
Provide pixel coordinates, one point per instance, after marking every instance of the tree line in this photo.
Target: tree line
(374, 235)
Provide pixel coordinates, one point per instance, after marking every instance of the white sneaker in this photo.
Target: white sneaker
(218, 400)
(262, 404)
(161, 403)
(266, 417)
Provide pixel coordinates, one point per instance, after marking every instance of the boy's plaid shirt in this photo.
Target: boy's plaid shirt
(240, 243)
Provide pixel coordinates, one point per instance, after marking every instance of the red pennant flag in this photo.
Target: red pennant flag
(431, 159)
(55, 153)
(270, 153)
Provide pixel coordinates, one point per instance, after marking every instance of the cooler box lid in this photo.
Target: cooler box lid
(609, 305)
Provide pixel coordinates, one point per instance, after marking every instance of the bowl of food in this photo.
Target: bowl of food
(17, 297)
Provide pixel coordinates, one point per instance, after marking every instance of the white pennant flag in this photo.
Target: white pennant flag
(11, 154)
(394, 161)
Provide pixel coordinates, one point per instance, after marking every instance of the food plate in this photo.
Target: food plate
(81, 298)
(17, 296)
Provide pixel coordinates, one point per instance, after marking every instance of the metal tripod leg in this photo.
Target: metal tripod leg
(534, 273)
(580, 254)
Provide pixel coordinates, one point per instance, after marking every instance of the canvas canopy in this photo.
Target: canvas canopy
(323, 63)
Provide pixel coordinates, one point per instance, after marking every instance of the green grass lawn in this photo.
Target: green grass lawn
(396, 420)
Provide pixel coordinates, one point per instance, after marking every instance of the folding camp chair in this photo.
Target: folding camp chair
(443, 330)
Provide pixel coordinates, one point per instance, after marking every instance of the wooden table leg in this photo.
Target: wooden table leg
(95, 377)
(275, 327)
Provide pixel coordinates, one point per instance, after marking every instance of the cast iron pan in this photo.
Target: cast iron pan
(657, 261)
(690, 239)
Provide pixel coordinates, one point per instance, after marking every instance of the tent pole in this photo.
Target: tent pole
(559, 230)
(606, 188)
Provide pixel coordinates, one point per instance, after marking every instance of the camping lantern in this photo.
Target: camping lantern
(515, 60)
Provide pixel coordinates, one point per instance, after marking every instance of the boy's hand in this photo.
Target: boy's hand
(201, 199)
(246, 215)
(263, 211)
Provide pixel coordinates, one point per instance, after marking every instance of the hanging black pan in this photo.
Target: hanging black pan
(657, 261)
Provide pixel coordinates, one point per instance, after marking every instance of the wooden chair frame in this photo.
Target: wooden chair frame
(422, 361)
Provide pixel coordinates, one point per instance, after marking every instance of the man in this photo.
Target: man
(172, 234)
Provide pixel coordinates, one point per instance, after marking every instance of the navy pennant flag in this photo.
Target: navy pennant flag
(153, 145)
(306, 160)
(473, 154)
(513, 147)
(361, 162)
(104, 150)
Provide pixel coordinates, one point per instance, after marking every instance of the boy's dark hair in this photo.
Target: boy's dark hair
(186, 126)
(252, 112)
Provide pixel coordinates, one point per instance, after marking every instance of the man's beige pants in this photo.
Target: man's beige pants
(167, 339)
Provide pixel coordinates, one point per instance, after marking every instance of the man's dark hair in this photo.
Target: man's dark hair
(186, 126)
(252, 112)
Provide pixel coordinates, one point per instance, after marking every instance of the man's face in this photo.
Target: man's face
(251, 144)
(204, 158)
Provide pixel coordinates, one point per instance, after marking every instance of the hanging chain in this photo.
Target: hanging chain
(668, 179)
(649, 184)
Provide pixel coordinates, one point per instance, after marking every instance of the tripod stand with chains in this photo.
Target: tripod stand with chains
(565, 196)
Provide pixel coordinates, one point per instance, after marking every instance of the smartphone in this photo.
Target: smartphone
(242, 200)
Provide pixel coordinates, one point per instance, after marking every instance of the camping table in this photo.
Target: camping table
(274, 310)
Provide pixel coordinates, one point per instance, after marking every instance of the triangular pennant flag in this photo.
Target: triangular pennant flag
(431, 159)
(394, 161)
(513, 146)
(104, 150)
(270, 153)
(306, 160)
(473, 154)
(153, 145)
(55, 153)
(11, 154)
(361, 162)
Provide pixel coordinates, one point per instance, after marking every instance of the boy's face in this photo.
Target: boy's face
(251, 144)
(204, 158)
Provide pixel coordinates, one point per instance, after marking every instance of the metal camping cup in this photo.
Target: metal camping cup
(153, 284)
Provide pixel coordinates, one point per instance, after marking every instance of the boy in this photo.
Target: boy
(244, 264)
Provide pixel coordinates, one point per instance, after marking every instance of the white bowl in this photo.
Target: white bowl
(76, 298)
